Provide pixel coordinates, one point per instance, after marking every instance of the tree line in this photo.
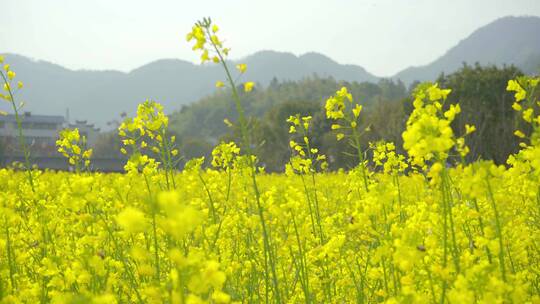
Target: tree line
(480, 90)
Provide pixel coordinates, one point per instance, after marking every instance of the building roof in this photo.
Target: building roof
(27, 117)
(84, 125)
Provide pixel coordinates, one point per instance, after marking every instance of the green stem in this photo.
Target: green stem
(10, 257)
(154, 228)
(498, 229)
(356, 137)
(119, 251)
(243, 129)
(22, 144)
(401, 214)
(315, 197)
(302, 262)
(210, 200)
(455, 250)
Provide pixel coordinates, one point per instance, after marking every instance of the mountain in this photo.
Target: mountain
(508, 40)
(286, 66)
(100, 96)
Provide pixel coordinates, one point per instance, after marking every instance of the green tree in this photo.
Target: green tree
(485, 103)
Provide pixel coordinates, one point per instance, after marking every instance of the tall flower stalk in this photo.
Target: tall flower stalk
(428, 138)
(347, 125)
(304, 160)
(144, 135)
(204, 32)
(73, 147)
(8, 76)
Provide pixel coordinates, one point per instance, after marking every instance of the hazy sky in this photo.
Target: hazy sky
(381, 35)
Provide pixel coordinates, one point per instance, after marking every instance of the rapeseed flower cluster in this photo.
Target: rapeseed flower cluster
(429, 135)
(211, 47)
(224, 155)
(73, 147)
(385, 156)
(336, 110)
(305, 157)
(146, 138)
(347, 125)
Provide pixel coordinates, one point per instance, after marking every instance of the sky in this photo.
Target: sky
(382, 36)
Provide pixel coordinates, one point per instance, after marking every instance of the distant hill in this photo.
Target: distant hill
(266, 65)
(509, 40)
(100, 96)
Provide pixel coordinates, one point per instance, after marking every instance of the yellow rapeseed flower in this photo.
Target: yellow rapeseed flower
(248, 86)
(242, 67)
(132, 220)
(519, 134)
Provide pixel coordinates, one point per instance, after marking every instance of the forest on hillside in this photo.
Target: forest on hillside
(480, 90)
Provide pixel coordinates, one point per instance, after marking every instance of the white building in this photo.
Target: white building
(40, 132)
